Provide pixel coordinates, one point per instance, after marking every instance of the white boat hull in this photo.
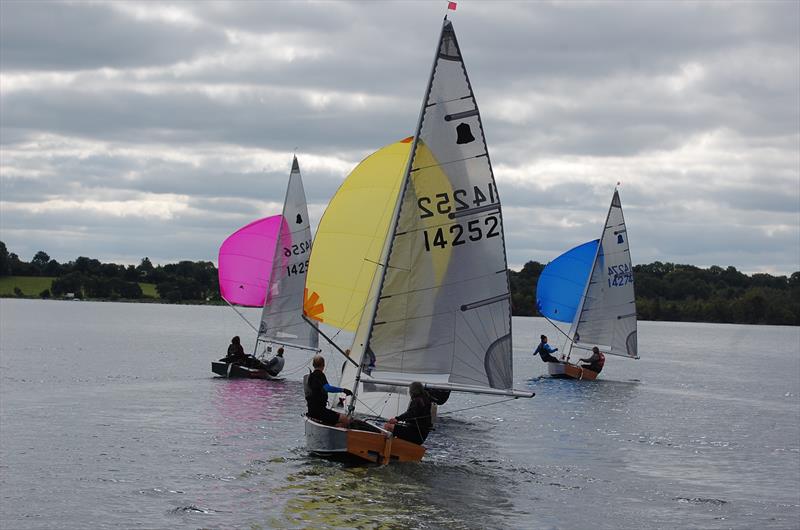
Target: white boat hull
(570, 371)
(325, 439)
(373, 445)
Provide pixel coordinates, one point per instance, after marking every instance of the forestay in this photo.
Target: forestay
(282, 315)
(607, 316)
(443, 312)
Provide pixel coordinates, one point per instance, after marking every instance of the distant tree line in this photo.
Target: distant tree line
(664, 291)
(89, 278)
(669, 291)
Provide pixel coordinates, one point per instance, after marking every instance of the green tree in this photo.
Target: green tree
(40, 261)
(69, 283)
(5, 266)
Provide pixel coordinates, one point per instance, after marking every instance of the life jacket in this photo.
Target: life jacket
(306, 386)
(602, 361)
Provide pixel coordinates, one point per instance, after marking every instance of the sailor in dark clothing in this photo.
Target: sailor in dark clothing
(596, 361)
(417, 418)
(545, 351)
(235, 352)
(316, 389)
(275, 365)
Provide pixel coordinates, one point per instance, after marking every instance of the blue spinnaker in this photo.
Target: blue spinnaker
(563, 280)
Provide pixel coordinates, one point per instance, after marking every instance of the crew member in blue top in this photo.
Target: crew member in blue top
(316, 390)
(546, 351)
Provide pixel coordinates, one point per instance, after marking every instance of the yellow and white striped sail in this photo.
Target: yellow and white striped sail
(351, 235)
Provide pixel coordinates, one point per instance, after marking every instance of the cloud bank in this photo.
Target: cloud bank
(143, 129)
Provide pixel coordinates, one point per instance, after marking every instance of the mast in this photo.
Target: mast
(442, 162)
(362, 338)
(574, 326)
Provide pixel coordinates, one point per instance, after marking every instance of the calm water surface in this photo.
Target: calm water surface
(110, 418)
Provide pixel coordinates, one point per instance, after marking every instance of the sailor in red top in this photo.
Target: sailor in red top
(596, 361)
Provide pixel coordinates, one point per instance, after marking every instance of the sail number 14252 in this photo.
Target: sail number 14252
(456, 234)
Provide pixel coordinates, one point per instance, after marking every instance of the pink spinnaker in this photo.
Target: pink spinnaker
(246, 261)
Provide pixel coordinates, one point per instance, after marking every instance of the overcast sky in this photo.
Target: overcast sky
(157, 129)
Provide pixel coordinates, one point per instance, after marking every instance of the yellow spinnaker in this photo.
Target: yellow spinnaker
(351, 235)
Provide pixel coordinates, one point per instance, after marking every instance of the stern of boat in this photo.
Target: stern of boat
(370, 445)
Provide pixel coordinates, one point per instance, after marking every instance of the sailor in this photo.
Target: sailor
(545, 351)
(316, 389)
(275, 365)
(235, 352)
(596, 361)
(417, 417)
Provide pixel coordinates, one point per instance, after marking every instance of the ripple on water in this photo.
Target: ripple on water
(192, 509)
(701, 500)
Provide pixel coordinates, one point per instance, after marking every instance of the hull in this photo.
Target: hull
(361, 442)
(232, 370)
(570, 371)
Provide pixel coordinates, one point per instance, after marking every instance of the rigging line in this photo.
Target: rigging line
(369, 408)
(295, 370)
(241, 315)
(559, 329)
(467, 408)
(387, 266)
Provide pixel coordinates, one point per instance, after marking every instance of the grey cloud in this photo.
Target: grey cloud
(590, 77)
(46, 35)
(276, 122)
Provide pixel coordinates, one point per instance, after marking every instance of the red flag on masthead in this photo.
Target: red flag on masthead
(451, 6)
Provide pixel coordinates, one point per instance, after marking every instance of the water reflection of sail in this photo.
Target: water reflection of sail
(241, 403)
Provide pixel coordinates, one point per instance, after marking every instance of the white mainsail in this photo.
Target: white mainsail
(606, 315)
(441, 310)
(282, 316)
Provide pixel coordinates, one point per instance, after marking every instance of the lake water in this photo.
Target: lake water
(110, 418)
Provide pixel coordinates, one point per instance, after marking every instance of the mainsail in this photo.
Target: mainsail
(282, 315)
(603, 312)
(440, 307)
(607, 316)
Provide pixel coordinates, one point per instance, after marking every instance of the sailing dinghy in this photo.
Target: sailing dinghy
(432, 302)
(591, 286)
(264, 264)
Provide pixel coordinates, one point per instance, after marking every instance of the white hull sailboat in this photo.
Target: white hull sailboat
(591, 286)
(437, 304)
